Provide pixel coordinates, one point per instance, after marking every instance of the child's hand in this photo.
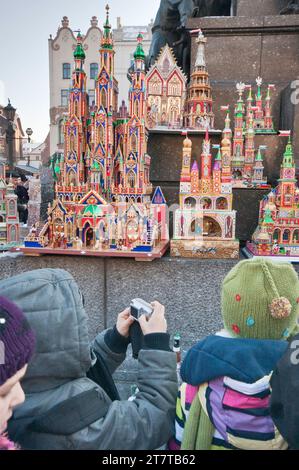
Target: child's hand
(124, 321)
(156, 322)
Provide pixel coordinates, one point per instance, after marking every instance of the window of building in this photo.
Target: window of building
(64, 98)
(66, 71)
(94, 71)
(92, 97)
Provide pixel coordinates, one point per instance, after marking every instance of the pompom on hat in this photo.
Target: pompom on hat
(17, 340)
(260, 300)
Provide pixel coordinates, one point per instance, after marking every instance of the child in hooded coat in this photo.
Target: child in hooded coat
(224, 402)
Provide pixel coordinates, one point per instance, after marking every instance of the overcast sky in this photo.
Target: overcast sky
(25, 26)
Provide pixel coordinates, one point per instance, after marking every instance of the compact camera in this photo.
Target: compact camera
(139, 307)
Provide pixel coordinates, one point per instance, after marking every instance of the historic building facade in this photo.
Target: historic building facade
(61, 49)
(166, 91)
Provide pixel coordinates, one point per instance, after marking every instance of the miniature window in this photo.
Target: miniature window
(11, 208)
(211, 228)
(136, 108)
(276, 236)
(296, 236)
(94, 71)
(66, 71)
(221, 203)
(1, 219)
(72, 177)
(134, 143)
(190, 201)
(104, 98)
(196, 226)
(64, 98)
(101, 132)
(121, 144)
(206, 203)
(13, 234)
(286, 236)
(131, 180)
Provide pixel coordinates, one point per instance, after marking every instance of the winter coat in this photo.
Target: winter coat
(53, 305)
(224, 402)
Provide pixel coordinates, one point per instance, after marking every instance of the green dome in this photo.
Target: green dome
(139, 53)
(79, 51)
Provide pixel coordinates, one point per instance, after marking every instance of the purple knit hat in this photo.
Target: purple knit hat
(17, 340)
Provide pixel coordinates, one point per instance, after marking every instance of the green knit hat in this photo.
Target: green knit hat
(260, 300)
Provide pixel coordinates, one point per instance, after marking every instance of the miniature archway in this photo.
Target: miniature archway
(132, 231)
(134, 143)
(13, 234)
(121, 144)
(131, 179)
(69, 230)
(206, 203)
(211, 228)
(101, 229)
(296, 236)
(190, 201)
(1, 219)
(101, 134)
(103, 96)
(196, 227)
(72, 178)
(221, 204)
(88, 235)
(11, 207)
(286, 236)
(276, 235)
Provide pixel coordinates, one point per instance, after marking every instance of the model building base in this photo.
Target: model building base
(282, 254)
(204, 249)
(140, 253)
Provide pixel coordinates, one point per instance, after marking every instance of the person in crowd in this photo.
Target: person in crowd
(17, 342)
(23, 198)
(224, 402)
(71, 399)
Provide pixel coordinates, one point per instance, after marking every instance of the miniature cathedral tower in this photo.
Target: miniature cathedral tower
(199, 112)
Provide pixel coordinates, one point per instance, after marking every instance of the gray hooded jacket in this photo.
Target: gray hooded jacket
(53, 305)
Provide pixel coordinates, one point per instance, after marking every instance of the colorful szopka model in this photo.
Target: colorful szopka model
(199, 105)
(278, 231)
(166, 91)
(103, 199)
(205, 224)
(247, 166)
(260, 113)
(9, 217)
